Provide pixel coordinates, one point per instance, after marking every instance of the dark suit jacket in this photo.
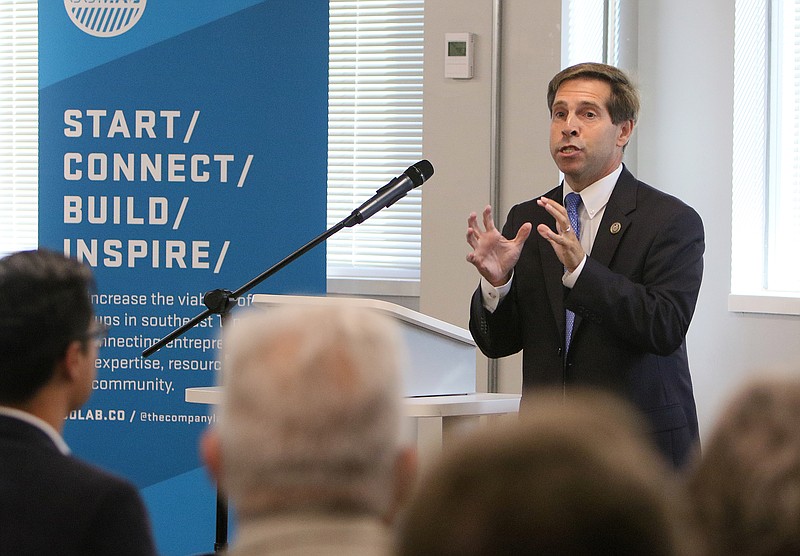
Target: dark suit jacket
(633, 302)
(57, 505)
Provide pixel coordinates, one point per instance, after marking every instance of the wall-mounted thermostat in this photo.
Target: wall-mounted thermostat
(458, 55)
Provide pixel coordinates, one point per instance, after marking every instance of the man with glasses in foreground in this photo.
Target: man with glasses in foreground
(51, 502)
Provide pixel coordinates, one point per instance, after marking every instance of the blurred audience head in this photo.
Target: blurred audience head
(46, 324)
(745, 487)
(572, 476)
(312, 417)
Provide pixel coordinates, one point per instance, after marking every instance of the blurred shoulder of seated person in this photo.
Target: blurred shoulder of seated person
(51, 502)
(745, 487)
(310, 445)
(573, 475)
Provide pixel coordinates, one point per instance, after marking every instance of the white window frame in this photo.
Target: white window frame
(591, 31)
(755, 171)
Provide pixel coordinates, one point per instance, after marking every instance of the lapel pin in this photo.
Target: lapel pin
(616, 227)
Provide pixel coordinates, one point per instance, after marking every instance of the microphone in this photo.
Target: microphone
(396, 189)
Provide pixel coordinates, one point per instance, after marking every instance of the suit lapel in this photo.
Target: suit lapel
(552, 268)
(614, 224)
(615, 219)
(612, 227)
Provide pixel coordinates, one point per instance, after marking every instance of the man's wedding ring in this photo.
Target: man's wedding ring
(568, 228)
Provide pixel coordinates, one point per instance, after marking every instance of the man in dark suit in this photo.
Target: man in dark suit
(50, 502)
(620, 276)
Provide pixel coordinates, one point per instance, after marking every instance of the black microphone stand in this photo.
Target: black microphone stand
(221, 301)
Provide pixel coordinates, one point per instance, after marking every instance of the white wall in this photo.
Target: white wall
(681, 53)
(457, 140)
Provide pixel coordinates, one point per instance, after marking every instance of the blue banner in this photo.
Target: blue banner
(182, 148)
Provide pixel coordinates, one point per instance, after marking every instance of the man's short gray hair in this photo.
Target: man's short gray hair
(312, 410)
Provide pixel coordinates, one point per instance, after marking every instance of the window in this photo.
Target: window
(19, 139)
(765, 269)
(374, 134)
(592, 31)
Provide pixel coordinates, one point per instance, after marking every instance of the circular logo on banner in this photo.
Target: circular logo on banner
(105, 18)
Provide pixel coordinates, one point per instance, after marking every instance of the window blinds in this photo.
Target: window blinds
(374, 134)
(18, 125)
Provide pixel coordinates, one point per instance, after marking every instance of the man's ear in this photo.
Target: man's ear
(625, 133)
(70, 365)
(211, 453)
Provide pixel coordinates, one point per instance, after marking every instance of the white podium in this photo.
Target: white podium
(439, 377)
(441, 356)
(436, 418)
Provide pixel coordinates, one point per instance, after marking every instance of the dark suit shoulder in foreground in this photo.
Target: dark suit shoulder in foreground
(55, 504)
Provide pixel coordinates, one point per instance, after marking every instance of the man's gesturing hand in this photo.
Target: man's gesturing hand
(492, 254)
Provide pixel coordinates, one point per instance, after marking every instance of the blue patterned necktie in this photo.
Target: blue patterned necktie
(572, 201)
